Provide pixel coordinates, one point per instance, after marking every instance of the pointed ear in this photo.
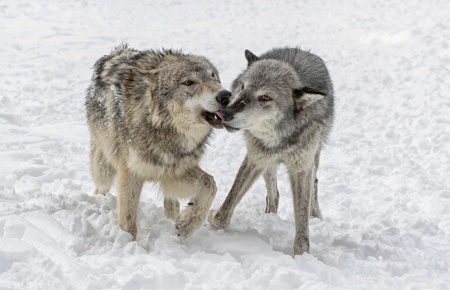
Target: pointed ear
(152, 73)
(251, 57)
(305, 97)
(148, 71)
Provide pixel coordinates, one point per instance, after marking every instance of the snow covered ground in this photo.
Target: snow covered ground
(384, 187)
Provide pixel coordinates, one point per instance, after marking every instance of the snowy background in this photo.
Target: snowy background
(384, 184)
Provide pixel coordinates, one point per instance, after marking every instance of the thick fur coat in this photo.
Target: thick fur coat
(284, 104)
(150, 114)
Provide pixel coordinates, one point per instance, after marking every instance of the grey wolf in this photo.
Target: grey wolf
(150, 114)
(284, 104)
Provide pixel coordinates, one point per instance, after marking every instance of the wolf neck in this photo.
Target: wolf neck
(195, 135)
(184, 131)
(274, 136)
(268, 134)
(189, 138)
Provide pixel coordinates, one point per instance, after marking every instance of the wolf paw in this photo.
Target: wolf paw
(218, 219)
(315, 212)
(188, 222)
(301, 245)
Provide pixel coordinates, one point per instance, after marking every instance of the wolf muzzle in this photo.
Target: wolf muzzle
(223, 97)
(227, 114)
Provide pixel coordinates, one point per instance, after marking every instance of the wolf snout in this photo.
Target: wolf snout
(227, 114)
(223, 97)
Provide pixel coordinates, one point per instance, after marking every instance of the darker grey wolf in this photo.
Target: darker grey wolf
(284, 104)
(150, 114)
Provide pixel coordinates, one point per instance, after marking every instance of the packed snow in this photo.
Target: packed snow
(384, 186)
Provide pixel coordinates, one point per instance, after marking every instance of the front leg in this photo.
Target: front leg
(129, 187)
(245, 178)
(302, 184)
(198, 185)
(171, 208)
(273, 196)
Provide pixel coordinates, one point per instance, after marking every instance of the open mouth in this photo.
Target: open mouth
(214, 119)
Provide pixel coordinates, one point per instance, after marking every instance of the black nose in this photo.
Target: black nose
(223, 97)
(227, 114)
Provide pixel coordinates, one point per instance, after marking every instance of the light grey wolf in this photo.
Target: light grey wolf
(150, 114)
(284, 103)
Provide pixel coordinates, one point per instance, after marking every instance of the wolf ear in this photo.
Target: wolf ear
(148, 71)
(152, 73)
(305, 97)
(251, 57)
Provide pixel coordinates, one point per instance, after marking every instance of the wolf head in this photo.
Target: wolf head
(264, 93)
(185, 87)
(193, 84)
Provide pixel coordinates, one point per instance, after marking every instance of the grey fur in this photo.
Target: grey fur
(284, 103)
(150, 114)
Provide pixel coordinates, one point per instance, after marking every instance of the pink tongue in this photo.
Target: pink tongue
(219, 114)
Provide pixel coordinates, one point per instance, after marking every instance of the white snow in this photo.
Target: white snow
(384, 184)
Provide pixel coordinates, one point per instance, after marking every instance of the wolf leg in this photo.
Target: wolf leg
(315, 209)
(129, 187)
(102, 171)
(270, 177)
(201, 187)
(245, 178)
(172, 208)
(302, 184)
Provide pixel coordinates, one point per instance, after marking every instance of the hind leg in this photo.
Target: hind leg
(315, 210)
(102, 171)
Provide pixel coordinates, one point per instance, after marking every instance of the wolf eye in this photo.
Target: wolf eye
(264, 98)
(213, 75)
(242, 86)
(188, 83)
